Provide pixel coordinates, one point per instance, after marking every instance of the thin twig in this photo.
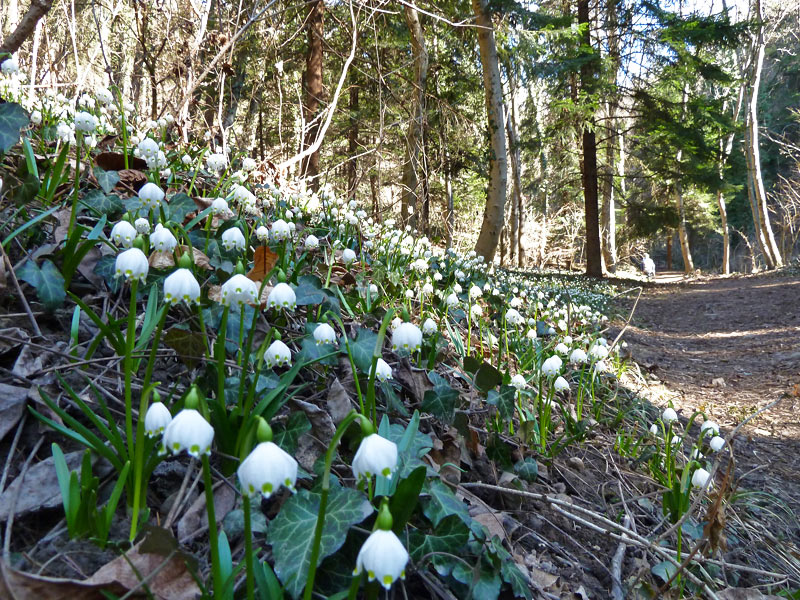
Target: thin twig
(12, 509)
(22, 298)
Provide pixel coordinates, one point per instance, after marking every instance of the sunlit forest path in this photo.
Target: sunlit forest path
(730, 346)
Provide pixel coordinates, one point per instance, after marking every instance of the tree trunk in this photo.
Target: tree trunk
(493, 214)
(726, 242)
(352, 143)
(683, 235)
(23, 30)
(772, 255)
(412, 166)
(609, 223)
(516, 176)
(594, 258)
(312, 80)
(669, 250)
(448, 186)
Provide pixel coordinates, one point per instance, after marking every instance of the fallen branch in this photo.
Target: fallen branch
(36, 11)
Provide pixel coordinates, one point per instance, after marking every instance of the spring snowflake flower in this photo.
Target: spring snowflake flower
(278, 355)
(281, 230)
(151, 195)
(9, 66)
(36, 117)
(266, 469)
(324, 334)
(561, 384)
(598, 352)
(578, 356)
(282, 296)
(85, 122)
(156, 419)
(375, 456)
(186, 159)
(262, 233)
(249, 164)
(219, 206)
(243, 195)
(531, 335)
(407, 336)
(475, 292)
(189, 431)
(429, 327)
(142, 225)
(382, 370)
(654, 429)
(409, 294)
(104, 95)
(348, 256)
(451, 300)
(709, 428)
(216, 162)
(476, 311)
(383, 557)
(123, 234)
(239, 290)
(513, 317)
(181, 286)
(552, 366)
(162, 239)
(233, 239)
(717, 443)
(312, 242)
(427, 289)
(396, 322)
(669, 415)
(132, 264)
(518, 381)
(148, 148)
(700, 478)
(373, 289)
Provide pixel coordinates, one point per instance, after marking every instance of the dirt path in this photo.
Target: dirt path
(730, 346)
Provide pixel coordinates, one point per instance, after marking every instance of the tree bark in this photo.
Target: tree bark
(312, 87)
(352, 143)
(772, 254)
(515, 232)
(493, 214)
(594, 258)
(683, 235)
(412, 166)
(669, 250)
(24, 29)
(448, 186)
(726, 241)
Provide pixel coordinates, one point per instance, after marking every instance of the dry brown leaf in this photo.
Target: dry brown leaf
(132, 178)
(542, 579)
(339, 404)
(172, 581)
(198, 257)
(215, 293)
(115, 161)
(16, 585)
(745, 594)
(493, 521)
(195, 520)
(264, 260)
(161, 260)
(12, 407)
(321, 423)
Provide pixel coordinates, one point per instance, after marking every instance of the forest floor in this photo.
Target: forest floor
(731, 347)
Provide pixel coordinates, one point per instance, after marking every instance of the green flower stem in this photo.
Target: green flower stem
(248, 547)
(196, 171)
(376, 354)
(219, 355)
(323, 502)
(213, 535)
(124, 127)
(127, 367)
(354, 585)
(244, 353)
(73, 213)
(352, 362)
(202, 320)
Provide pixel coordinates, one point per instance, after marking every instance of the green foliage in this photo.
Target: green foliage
(12, 119)
(47, 280)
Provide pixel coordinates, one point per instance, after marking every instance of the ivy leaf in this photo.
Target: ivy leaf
(664, 570)
(449, 536)
(362, 349)
(504, 401)
(527, 469)
(487, 377)
(106, 268)
(180, 205)
(310, 351)
(441, 400)
(309, 291)
(51, 286)
(291, 534)
(487, 583)
(286, 436)
(514, 576)
(106, 179)
(27, 190)
(101, 204)
(12, 119)
(442, 502)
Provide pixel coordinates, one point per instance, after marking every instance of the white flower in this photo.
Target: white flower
(242, 195)
(513, 317)
(518, 381)
(64, 132)
(561, 384)
(278, 354)
(104, 96)
(151, 195)
(383, 557)
(181, 286)
(162, 239)
(9, 66)
(676, 440)
(148, 148)
(156, 419)
(382, 370)
(123, 234)
(598, 351)
(248, 164)
(189, 431)
(262, 233)
(407, 336)
(348, 256)
(142, 225)
(324, 334)
(476, 311)
(132, 264)
(266, 469)
(373, 289)
(700, 477)
(577, 357)
(396, 322)
(219, 206)
(233, 239)
(36, 117)
(429, 327)
(669, 415)
(282, 296)
(451, 300)
(531, 335)
(475, 292)
(312, 242)
(281, 230)
(186, 159)
(409, 294)
(85, 122)
(709, 428)
(216, 162)
(427, 289)
(375, 456)
(654, 429)
(552, 366)
(239, 290)
(717, 443)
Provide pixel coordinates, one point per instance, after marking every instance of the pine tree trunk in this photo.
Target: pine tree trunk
(669, 250)
(493, 214)
(772, 254)
(683, 235)
(448, 186)
(609, 221)
(515, 231)
(412, 165)
(726, 242)
(594, 258)
(312, 80)
(352, 142)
